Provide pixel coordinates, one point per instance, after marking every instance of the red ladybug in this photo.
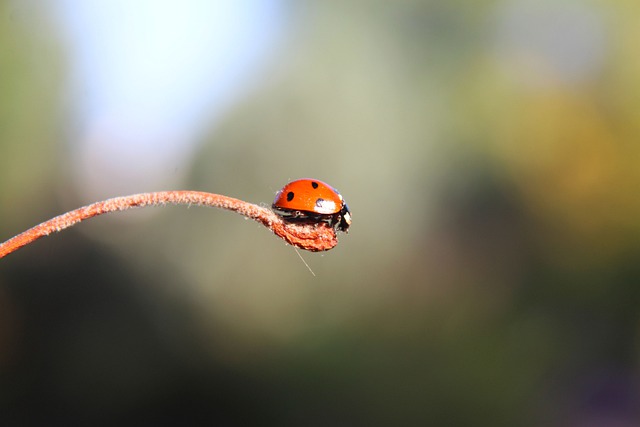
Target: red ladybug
(312, 200)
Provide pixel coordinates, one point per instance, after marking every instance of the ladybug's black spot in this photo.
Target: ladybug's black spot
(290, 196)
(319, 202)
(314, 184)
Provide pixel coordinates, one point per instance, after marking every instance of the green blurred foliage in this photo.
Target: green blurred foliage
(490, 276)
(30, 120)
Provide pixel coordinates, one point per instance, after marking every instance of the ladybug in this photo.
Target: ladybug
(312, 200)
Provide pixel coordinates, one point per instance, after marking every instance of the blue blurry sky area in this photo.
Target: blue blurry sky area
(148, 77)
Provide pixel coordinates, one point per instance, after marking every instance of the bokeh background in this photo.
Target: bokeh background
(488, 151)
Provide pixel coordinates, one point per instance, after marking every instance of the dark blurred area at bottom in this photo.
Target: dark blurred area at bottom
(80, 345)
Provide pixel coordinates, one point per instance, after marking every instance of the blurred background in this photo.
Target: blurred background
(488, 152)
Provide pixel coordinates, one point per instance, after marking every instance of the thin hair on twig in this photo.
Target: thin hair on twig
(304, 262)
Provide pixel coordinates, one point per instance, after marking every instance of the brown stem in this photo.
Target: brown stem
(311, 237)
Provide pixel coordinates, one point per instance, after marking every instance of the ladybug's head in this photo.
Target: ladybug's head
(345, 219)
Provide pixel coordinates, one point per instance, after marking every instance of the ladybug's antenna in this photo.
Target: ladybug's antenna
(305, 262)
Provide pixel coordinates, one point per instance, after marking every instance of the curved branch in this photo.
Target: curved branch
(314, 237)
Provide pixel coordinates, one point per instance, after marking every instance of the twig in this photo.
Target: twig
(313, 237)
